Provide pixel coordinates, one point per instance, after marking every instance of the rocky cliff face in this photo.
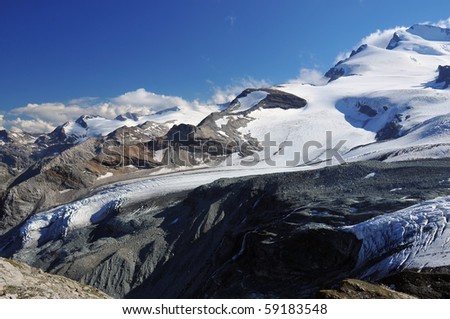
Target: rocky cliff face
(20, 281)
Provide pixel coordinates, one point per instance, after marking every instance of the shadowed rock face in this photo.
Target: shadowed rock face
(428, 284)
(394, 42)
(274, 99)
(40, 184)
(338, 71)
(335, 73)
(444, 75)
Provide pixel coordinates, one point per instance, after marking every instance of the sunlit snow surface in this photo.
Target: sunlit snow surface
(250, 100)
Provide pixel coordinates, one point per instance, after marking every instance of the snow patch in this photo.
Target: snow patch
(370, 175)
(107, 175)
(250, 100)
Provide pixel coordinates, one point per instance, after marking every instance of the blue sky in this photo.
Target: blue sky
(58, 51)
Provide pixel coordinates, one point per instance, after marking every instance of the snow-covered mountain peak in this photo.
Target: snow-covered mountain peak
(422, 39)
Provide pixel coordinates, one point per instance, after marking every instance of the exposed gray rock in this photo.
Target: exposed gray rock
(338, 70)
(393, 43)
(391, 130)
(40, 186)
(274, 99)
(334, 73)
(444, 75)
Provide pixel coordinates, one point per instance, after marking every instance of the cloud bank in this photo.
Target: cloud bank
(44, 117)
(41, 118)
(310, 76)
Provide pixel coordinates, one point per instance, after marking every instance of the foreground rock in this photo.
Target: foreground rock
(20, 281)
(422, 284)
(358, 289)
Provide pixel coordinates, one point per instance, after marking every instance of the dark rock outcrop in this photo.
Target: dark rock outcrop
(444, 75)
(393, 43)
(334, 73)
(391, 130)
(338, 70)
(274, 99)
(425, 284)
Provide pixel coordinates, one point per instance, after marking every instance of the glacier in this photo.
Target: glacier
(413, 238)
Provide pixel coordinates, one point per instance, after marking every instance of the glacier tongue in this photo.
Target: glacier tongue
(58, 222)
(413, 238)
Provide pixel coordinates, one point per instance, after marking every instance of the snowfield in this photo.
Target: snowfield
(250, 100)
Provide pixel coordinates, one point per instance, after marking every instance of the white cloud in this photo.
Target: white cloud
(146, 102)
(2, 121)
(228, 93)
(445, 23)
(29, 126)
(53, 113)
(46, 116)
(310, 76)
